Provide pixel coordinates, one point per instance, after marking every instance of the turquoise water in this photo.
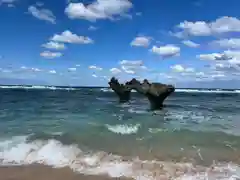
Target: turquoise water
(89, 131)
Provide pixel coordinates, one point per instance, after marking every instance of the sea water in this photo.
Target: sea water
(196, 136)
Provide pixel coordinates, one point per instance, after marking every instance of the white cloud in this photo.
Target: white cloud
(190, 44)
(36, 69)
(23, 67)
(217, 75)
(52, 72)
(95, 67)
(99, 9)
(141, 41)
(200, 74)
(130, 67)
(50, 55)
(182, 69)
(131, 63)
(166, 51)
(189, 70)
(226, 55)
(72, 69)
(115, 71)
(211, 57)
(223, 24)
(68, 37)
(54, 45)
(92, 28)
(232, 43)
(94, 75)
(42, 14)
(199, 28)
(226, 62)
(77, 65)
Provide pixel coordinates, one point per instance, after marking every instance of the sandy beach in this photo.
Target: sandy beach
(38, 172)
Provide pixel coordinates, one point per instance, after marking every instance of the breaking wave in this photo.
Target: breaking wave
(110, 90)
(123, 129)
(19, 151)
(37, 87)
(191, 90)
(207, 91)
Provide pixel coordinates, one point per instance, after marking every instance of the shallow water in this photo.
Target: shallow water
(89, 131)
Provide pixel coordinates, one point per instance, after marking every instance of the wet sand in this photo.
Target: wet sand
(38, 172)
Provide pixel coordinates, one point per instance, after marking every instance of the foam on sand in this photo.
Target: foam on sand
(18, 151)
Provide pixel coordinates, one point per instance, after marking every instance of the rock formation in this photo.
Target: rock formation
(120, 89)
(155, 92)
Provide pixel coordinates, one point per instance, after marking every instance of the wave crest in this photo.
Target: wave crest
(52, 152)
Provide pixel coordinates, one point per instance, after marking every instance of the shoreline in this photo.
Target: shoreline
(41, 172)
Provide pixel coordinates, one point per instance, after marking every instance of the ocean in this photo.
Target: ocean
(196, 136)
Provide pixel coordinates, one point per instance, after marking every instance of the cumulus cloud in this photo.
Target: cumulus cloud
(30, 69)
(221, 25)
(226, 55)
(35, 70)
(115, 71)
(181, 68)
(95, 67)
(68, 37)
(166, 51)
(54, 45)
(72, 69)
(50, 55)
(224, 65)
(99, 9)
(131, 63)
(42, 14)
(232, 43)
(94, 75)
(52, 72)
(190, 44)
(141, 41)
(130, 67)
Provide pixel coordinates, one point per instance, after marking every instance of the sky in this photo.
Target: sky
(187, 43)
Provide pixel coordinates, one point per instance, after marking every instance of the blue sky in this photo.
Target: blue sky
(188, 43)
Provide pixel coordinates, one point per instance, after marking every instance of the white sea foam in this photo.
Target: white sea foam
(38, 87)
(17, 151)
(123, 128)
(207, 91)
(110, 90)
(131, 110)
(106, 90)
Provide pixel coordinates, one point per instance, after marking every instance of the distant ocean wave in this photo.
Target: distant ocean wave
(19, 150)
(110, 90)
(207, 91)
(190, 90)
(37, 87)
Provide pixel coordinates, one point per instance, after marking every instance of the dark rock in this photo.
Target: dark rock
(155, 92)
(121, 90)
